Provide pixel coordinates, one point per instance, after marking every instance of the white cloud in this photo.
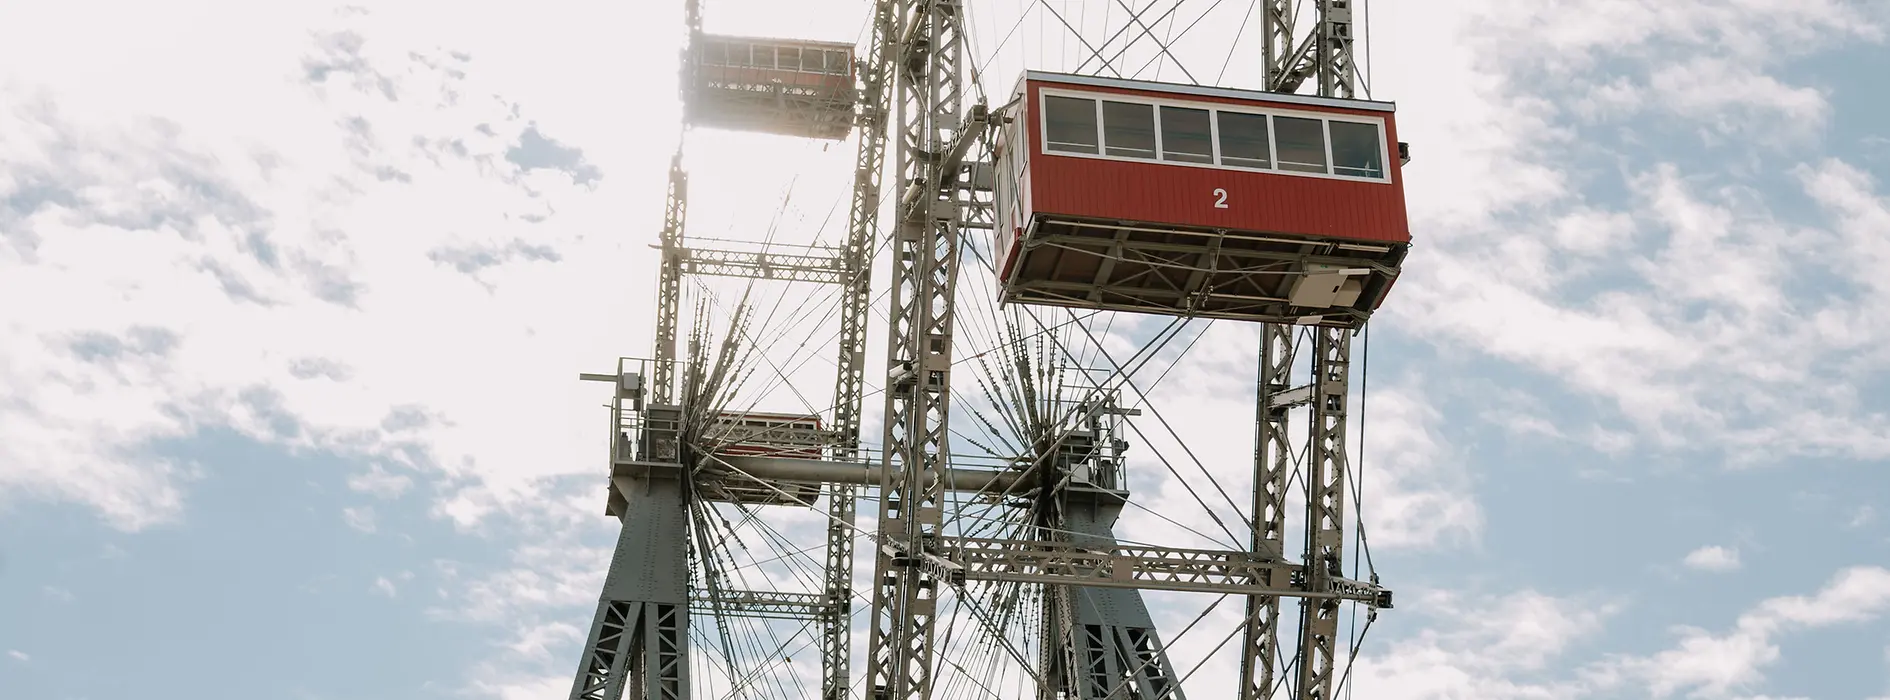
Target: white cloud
(325, 245)
(384, 586)
(1481, 646)
(19, 656)
(1415, 486)
(550, 570)
(1709, 665)
(521, 686)
(379, 482)
(1713, 558)
(361, 519)
(1682, 345)
(277, 248)
(1517, 645)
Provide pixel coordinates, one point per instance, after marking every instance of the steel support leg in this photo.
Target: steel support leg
(1111, 651)
(638, 644)
(849, 385)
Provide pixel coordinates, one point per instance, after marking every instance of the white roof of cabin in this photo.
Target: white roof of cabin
(1205, 91)
(775, 41)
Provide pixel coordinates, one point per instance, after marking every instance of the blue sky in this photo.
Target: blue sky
(290, 315)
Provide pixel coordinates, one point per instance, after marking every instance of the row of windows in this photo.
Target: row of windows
(1191, 134)
(754, 421)
(794, 58)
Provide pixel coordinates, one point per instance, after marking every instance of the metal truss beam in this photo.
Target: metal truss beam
(1325, 510)
(1273, 468)
(758, 470)
(762, 604)
(1325, 57)
(1146, 567)
(824, 269)
(856, 257)
(925, 256)
(669, 282)
(1326, 464)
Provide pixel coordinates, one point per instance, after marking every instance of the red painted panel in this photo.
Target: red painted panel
(767, 450)
(1160, 193)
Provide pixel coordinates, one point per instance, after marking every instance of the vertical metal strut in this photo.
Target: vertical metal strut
(1325, 510)
(1326, 465)
(1333, 40)
(669, 282)
(919, 351)
(849, 385)
(1326, 57)
(1282, 61)
(669, 276)
(1273, 467)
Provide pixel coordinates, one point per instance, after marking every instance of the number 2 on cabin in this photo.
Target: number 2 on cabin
(1220, 198)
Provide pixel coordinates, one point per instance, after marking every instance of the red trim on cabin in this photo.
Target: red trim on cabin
(749, 449)
(781, 418)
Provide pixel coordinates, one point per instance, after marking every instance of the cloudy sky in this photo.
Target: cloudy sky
(292, 299)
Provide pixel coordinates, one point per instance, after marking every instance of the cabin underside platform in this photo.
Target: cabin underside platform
(1248, 276)
(781, 109)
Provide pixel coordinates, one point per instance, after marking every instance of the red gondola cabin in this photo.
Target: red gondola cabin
(760, 434)
(1177, 199)
(773, 86)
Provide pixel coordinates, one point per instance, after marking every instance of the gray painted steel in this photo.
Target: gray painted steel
(639, 636)
(911, 76)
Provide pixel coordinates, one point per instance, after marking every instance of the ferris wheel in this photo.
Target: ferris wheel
(1037, 493)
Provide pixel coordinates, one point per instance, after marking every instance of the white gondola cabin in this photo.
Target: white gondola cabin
(1186, 200)
(772, 86)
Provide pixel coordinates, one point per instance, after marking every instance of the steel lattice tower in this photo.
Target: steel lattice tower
(911, 86)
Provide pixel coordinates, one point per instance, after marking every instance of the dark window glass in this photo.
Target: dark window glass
(787, 58)
(1070, 124)
(763, 56)
(1185, 135)
(837, 63)
(1355, 149)
(1302, 144)
(1244, 140)
(1129, 129)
